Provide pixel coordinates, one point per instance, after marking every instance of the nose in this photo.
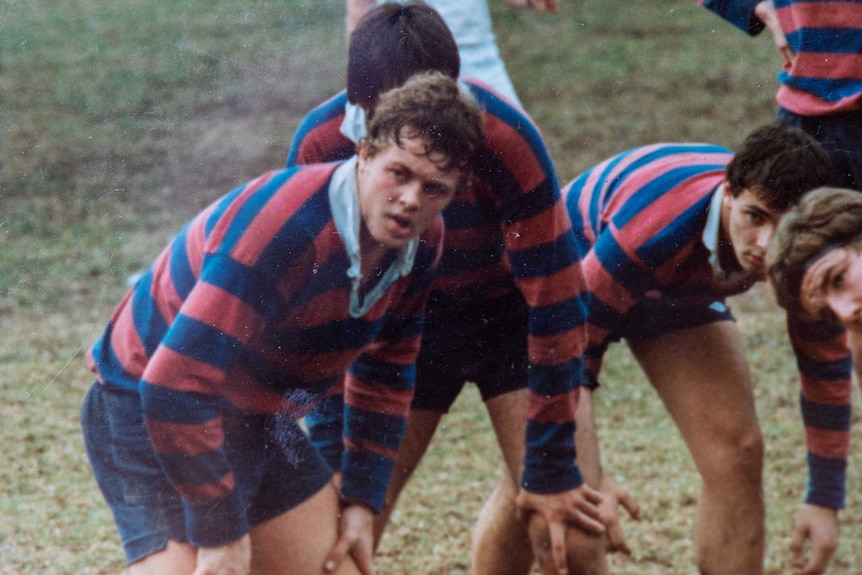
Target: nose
(765, 236)
(411, 195)
(845, 307)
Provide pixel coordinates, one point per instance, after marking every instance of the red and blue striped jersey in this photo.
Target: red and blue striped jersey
(826, 36)
(246, 313)
(508, 233)
(640, 217)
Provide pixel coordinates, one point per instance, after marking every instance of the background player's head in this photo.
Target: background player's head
(779, 163)
(421, 148)
(391, 43)
(815, 249)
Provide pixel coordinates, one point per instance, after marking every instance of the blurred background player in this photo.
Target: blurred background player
(821, 82)
(506, 310)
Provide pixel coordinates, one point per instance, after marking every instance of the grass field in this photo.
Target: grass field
(118, 121)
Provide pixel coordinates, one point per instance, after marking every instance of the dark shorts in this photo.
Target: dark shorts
(654, 318)
(486, 345)
(275, 466)
(841, 138)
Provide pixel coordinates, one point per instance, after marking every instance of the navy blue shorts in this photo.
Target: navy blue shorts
(654, 318)
(841, 138)
(274, 464)
(486, 345)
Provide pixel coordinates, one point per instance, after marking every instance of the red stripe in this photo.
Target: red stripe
(376, 398)
(200, 493)
(556, 409)
(828, 443)
(186, 439)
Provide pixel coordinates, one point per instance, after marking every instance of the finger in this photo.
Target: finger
(630, 504)
(363, 560)
(337, 555)
(616, 541)
(557, 531)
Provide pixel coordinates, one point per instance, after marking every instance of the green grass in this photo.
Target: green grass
(118, 121)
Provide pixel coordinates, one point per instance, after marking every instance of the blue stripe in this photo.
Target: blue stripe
(826, 41)
(202, 342)
(625, 271)
(182, 276)
(298, 233)
(542, 198)
(396, 376)
(468, 215)
(367, 478)
(251, 208)
(327, 111)
(547, 464)
(825, 417)
(550, 380)
(376, 428)
(243, 283)
(827, 480)
(838, 370)
(826, 89)
(174, 406)
(344, 334)
(150, 324)
(657, 188)
(686, 228)
(560, 317)
(546, 259)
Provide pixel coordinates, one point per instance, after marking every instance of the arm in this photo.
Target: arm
(765, 11)
(825, 369)
(740, 13)
(543, 258)
(355, 10)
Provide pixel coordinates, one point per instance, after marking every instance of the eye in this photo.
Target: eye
(398, 174)
(433, 190)
(755, 218)
(837, 281)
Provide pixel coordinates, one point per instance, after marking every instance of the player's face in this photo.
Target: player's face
(750, 225)
(402, 189)
(832, 288)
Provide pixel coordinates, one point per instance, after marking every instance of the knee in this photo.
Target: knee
(737, 455)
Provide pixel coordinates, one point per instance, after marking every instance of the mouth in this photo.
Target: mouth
(401, 225)
(757, 262)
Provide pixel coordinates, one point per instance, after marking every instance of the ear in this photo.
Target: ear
(362, 156)
(726, 195)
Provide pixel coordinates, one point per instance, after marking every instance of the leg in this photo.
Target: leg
(702, 376)
(501, 544)
(421, 426)
(174, 558)
(297, 541)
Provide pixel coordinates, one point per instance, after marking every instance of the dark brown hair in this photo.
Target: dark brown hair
(393, 42)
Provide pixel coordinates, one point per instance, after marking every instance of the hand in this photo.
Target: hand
(765, 11)
(356, 537)
(576, 506)
(550, 6)
(820, 526)
(231, 559)
(615, 495)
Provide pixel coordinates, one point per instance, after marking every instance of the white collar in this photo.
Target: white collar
(711, 241)
(354, 127)
(344, 203)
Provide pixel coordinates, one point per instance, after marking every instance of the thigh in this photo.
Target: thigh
(297, 542)
(702, 376)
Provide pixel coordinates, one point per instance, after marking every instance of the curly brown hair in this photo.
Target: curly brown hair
(825, 219)
(431, 106)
